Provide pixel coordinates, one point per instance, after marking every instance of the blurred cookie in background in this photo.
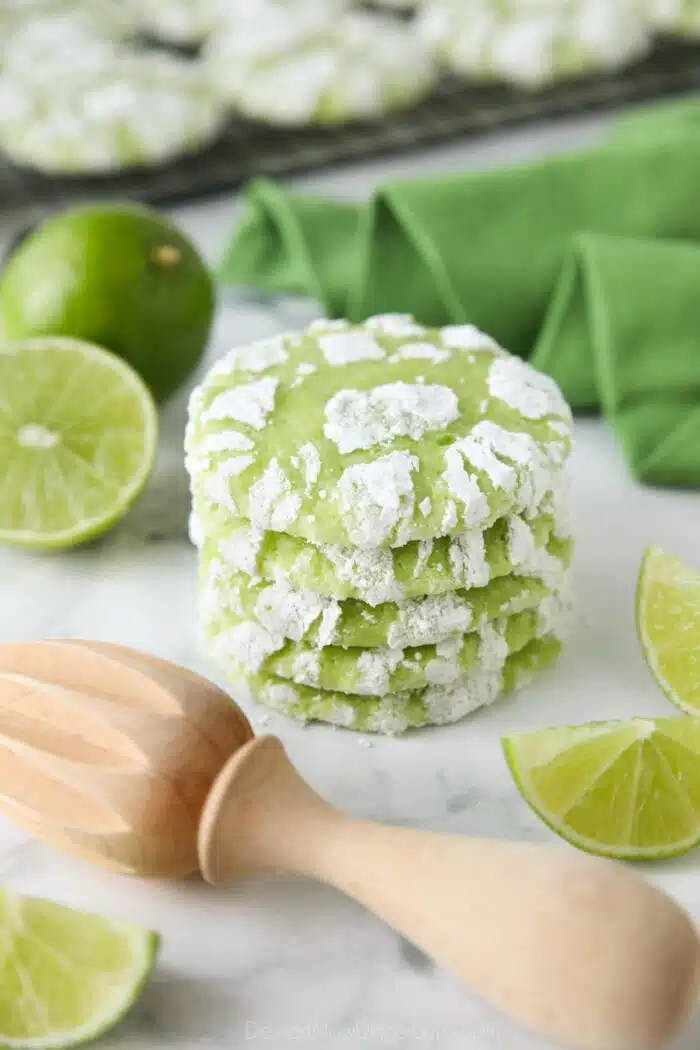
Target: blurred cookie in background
(531, 43)
(296, 64)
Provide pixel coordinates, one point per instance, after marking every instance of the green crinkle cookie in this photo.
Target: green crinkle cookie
(304, 63)
(435, 705)
(376, 435)
(532, 45)
(371, 672)
(429, 567)
(300, 615)
(122, 110)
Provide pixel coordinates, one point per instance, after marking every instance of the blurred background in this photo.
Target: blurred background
(170, 100)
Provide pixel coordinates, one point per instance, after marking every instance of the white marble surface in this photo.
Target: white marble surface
(284, 963)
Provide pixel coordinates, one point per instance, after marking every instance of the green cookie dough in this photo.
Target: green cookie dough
(376, 435)
(301, 615)
(435, 705)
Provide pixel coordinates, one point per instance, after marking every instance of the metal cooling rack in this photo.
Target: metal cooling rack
(453, 111)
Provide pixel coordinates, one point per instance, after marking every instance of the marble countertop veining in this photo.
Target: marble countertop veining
(282, 962)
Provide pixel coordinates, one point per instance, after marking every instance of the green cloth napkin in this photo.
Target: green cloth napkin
(587, 264)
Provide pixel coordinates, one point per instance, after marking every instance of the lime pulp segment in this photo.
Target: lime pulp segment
(78, 435)
(624, 789)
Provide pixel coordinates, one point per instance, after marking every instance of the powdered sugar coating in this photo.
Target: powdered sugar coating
(345, 348)
(468, 337)
(311, 460)
(250, 404)
(377, 498)
(256, 357)
(273, 504)
(526, 390)
(358, 419)
(401, 325)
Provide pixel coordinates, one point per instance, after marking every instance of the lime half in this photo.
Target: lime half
(668, 622)
(65, 976)
(629, 790)
(78, 434)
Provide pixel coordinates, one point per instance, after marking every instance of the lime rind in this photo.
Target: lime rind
(127, 490)
(123, 987)
(681, 581)
(641, 744)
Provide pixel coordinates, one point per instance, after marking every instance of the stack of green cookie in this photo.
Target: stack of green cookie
(380, 512)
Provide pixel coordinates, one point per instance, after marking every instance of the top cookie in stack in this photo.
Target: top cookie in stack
(380, 511)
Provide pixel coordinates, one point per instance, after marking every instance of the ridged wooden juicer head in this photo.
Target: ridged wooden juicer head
(109, 754)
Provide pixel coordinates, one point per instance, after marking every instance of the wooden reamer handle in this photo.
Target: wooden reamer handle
(577, 948)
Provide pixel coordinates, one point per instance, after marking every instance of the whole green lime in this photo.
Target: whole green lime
(120, 276)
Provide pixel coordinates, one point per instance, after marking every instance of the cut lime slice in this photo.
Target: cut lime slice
(629, 790)
(668, 622)
(78, 433)
(65, 976)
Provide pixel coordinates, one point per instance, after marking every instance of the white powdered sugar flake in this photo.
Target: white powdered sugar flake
(250, 404)
(468, 337)
(397, 325)
(375, 498)
(374, 668)
(425, 550)
(421, 352)
(526, 390)
(255, 357)
(326, 632)
(467, 554)
(271, 502)
(286, 611)
(545, 566)
(344, 348)
(223, 441)
(513, 461)
(248, 644)
(306, 667)
(240, 550)
(450, 517)
(426, 621)
(215, 485)
(480, 453)
(371, 572)
(311, 459)
(521, 541)
(360, 419)
(465, 487)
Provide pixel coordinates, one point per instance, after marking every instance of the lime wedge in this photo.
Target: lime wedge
(629, 790)
(65, 976)
(78, 433)
(668, 622)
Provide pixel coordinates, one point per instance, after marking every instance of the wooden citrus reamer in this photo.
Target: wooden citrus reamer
(141, 766)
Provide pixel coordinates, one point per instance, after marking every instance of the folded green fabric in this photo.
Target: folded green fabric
(588, 264)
